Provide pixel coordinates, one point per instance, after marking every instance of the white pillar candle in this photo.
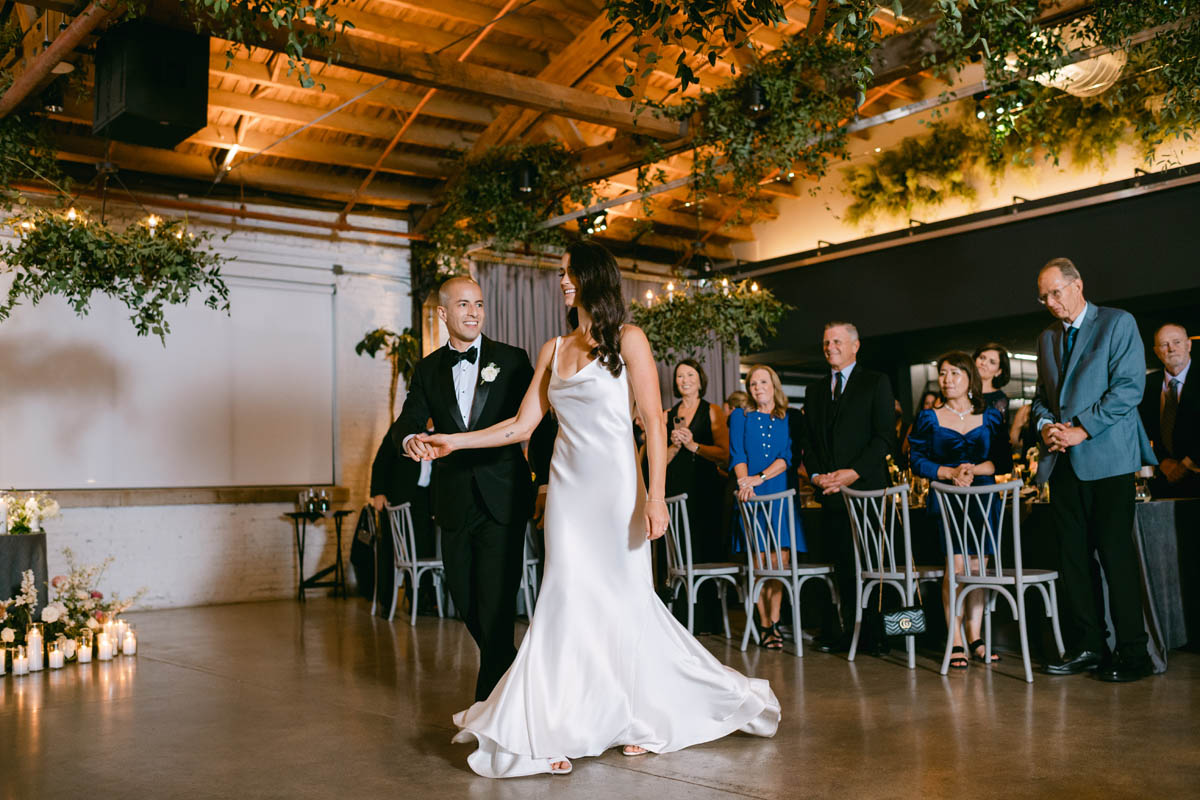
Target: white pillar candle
(85, 653)
(55, 658)
(120, 628)
(33, 647)
(3, 660)
(129, 644)
(104, 649)
(20, 662)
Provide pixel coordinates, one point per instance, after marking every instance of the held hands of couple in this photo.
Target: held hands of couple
(427, 447)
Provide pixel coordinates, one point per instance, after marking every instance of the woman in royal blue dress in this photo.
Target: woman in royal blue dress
(760, 454)
(952, 443)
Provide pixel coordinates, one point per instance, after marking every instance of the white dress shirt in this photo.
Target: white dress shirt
(1075, 323)
(466, 376)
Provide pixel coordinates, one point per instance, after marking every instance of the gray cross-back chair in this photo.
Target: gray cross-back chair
(877, 519)
(531, 562)
(973, 519)
(684, 574)
(407, 567)
(765, 520)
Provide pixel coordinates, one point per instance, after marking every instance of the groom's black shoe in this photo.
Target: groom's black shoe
(1074, 663)
(1124, 669)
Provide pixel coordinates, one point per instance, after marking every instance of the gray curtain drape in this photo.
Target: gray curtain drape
(524, 308)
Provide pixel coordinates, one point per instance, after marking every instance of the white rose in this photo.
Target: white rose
(8, 635)
(81, 595)
(51, 613)
(91, 623)
(31, 506)
(489, 373)
(51, 509)
(68, 648)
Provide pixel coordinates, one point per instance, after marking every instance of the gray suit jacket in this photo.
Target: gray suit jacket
(1099, 388)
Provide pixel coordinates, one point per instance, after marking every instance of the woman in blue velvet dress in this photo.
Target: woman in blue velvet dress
(760, 455)
(952, 443)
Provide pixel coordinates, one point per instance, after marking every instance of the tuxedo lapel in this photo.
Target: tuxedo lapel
(481, 386)
(445, 387)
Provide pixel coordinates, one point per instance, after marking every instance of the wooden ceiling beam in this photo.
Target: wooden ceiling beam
(376, 27)
(440, 106)
(390, 194)
(301, 149)
(540, 27)
(684, 222)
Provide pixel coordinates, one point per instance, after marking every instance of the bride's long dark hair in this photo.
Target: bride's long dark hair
(598, 289)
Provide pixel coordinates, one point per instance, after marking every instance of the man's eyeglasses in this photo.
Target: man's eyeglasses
(1054, 294)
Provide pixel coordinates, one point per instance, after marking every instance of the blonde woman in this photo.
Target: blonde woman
(760, 454)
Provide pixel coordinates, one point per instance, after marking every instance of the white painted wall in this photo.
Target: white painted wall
(198, 554)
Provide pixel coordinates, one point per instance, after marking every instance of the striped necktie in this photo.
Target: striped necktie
(1170, 411)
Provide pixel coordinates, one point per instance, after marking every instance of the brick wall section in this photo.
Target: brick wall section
(201, 554)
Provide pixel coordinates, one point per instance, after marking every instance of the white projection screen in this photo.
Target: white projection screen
(239, 400)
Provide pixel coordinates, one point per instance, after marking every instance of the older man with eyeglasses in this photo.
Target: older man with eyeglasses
(1091, 376)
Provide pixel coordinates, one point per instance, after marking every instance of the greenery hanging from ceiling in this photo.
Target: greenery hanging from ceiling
(502, 196)
(683, 322)
(147, 266)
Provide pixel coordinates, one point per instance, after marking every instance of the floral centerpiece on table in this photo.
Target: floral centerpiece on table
(17, 612)
(25, 516)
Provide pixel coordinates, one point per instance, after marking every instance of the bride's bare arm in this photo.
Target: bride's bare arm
(511, 431)
(643, 377)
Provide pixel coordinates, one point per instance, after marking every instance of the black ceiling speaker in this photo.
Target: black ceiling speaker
(151, 84)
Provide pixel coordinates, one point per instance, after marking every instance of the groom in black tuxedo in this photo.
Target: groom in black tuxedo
(482, 499)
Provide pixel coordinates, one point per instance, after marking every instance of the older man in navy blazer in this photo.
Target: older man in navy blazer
(1091, 376)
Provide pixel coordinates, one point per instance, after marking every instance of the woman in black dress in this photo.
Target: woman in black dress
(699, 444)
(991, 362)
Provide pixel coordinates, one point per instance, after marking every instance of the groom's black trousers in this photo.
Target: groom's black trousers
(483, 569)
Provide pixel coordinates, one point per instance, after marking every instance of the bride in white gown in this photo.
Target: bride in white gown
(604, 663)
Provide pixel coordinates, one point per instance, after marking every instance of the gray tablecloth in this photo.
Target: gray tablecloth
(17, 554)
(1167, 534)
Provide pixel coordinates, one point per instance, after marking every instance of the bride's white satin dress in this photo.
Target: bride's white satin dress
(604, 663)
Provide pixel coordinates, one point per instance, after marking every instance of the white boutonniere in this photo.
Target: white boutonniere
(489, 373)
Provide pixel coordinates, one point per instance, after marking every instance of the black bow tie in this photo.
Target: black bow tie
(469, 356)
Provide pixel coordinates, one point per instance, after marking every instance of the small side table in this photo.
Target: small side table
(300, 520)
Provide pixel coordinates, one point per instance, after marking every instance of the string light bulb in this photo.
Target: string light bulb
(754, 287)
(649, 296)
(670, 286)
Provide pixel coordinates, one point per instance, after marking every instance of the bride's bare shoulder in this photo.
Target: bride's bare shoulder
(634, 342)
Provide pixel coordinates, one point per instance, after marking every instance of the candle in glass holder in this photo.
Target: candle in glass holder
(54, 656)
(129, 643)
(120, 628)
(104, 648)
(85, 646)
(3, 653)
(33, 646)
(20, 662)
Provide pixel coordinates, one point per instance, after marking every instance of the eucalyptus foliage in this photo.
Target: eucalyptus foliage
(680, 324)
(25, 152)
(485, 203)
(146, 268)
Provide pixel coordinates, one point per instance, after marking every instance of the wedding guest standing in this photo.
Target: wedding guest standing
(699, 444)
(396, 479)
(1091, 376)
(760, 454)
(951, 443)
(992, 364)
(1170, 411)
(848, 434)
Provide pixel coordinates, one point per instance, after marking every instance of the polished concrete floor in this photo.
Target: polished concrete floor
(283, 700)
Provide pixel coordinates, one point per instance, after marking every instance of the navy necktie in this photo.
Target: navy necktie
(837, 386)
(469, 356)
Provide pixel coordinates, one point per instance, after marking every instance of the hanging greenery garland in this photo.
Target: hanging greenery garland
(683, 322)
(148, 266)
(504, 195)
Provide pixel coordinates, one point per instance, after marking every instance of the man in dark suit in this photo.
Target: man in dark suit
(481, 498)
(397, 479)
(1091, 376)
(848, 432)
(1170, 411)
